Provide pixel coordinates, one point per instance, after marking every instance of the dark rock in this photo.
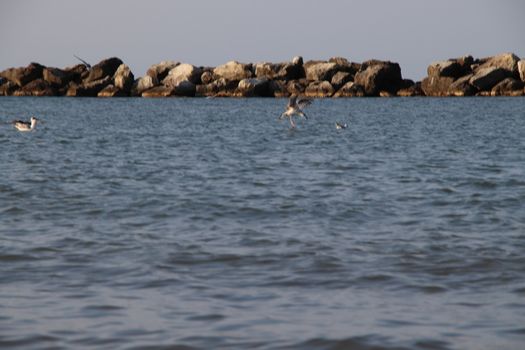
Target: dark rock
(436, 86)
(445, 69)
(112, 91)
(124, 79)
(89, 89)
(220, 86)
(462, 87)
(505, 61)
(508, 87)
(379, 76)
(38, 87)
(105, 68)
(254, 87)
(23, 75)
(184, 88)
(486, 78)
(319, 89)
(158, 91)
(278, 88)
(7, 87)
(340, 78)
(280, 71)
(233, 70)
(410, 91)
(79, 72)
(296, 87)
(350, 89)
(57, 77)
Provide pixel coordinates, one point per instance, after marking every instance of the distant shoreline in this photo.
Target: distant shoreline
(500, 75)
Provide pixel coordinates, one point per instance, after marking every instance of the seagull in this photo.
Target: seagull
(295, 107)
(340, 126)
(88, 66)
(25, 126)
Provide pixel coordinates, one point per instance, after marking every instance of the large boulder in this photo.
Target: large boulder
(505, 61)
(112, 91)
(462, 87)
(184, 88)
(142, 84)
(89, 89)
(280, 71)
(521, 69)
(254, 87)
(485, 78)
(445, 69)
(104, 68)
(319, 89)
(278, 88)
(376, 76)
(436, 86)
(341, 78)
(350, 89)
(23, 75)
(183, 72)
(124, 79)
(233, 70)
(508, 87)
(160, 70)
(38, 87)
(57, 77)
(320, 70)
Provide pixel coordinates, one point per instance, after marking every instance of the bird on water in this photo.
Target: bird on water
(21, 125)
(295, 107)
(340, 125)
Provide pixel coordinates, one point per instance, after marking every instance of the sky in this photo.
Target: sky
(413, 33)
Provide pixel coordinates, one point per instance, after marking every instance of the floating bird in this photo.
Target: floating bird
(88, 66)
(340, 125)
(21, 125)
(295, 106)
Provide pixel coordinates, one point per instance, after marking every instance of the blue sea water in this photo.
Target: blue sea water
(208, 224)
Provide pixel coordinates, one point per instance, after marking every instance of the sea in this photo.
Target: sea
(187, 224)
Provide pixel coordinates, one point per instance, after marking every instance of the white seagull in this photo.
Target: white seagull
(295, 107)
(25, 126)
(340, 125)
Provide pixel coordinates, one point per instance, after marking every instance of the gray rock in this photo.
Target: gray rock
(505, 61)
(445, 69)
(486, 78)
(160, 70)
(436, 86)
(57, 77)
(233, 70)
(183, 72)
(184, 88)
(319, 89)
(254, 87)
(142, 84)
(319, 70)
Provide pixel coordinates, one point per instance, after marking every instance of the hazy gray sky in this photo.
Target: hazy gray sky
(411, 32)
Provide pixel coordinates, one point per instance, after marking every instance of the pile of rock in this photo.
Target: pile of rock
(337, 77)
(501, 75)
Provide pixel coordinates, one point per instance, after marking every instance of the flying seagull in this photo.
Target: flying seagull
(88, 66)
(21, 125)
(295, 106)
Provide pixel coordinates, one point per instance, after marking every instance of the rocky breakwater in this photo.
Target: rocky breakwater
(501, 75)
(337, 77)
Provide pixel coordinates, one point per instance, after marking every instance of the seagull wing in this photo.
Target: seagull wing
(304, 102)
(81, 60)
(292, 102)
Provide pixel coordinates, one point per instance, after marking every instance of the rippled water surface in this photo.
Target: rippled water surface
(208, 224)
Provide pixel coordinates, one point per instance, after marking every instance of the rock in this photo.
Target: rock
(462, 87)
(521, 70)
(220, 87)
(296, 87)
(160, 70)
(184, 88)
(124, 79)
(142, 84)
(445, 69)
(486, 78)
(112, 91)
(343, 65)
(508, 87)
(319, 70)
(410, 91)
(7, 88)
(254, 87)
(78, 72)
(88, 89)
(233, 70)
(505, 61)
(297, 60)
(38, 87)
(104, 68)
(158, 91)
(379, 76)
(23, 75)
(436, 86)
(206, 77)
(58, 77)
(279, 71)
(340, 78)
(319, 89)
(350, 89)
(278, 88)
(183, 72)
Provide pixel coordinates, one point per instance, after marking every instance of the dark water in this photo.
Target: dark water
(207, 224)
